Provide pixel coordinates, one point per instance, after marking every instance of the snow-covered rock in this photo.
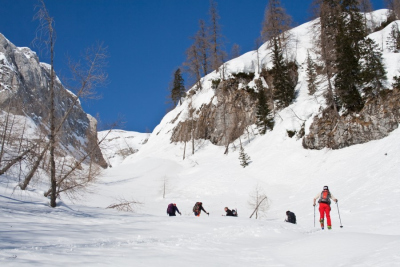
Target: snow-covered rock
(24, 85)
(116, 145)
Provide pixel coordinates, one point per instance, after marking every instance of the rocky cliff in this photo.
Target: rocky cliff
(224, 118)
(377, 119)
(24, 83)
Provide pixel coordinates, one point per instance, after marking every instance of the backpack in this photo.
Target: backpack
(291, 217)
(170, 208)
(196, 207)
(325, 197)
(234, 213)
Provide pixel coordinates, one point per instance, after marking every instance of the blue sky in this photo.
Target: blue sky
(146, 41)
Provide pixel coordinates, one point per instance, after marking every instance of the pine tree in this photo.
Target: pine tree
(264, 117)
(311, 75)
(396, 83)
(284, 91)
(178, 87)
(373, 73)
(393, 40)
(350, 32)
(244, 158)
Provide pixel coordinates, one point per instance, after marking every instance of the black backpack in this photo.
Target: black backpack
(234, 213)
(291, 217)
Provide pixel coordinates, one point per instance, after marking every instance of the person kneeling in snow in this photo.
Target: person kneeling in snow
(198, 207)
(325, 206)
(230, 212)
(172, 208)
(291, 217)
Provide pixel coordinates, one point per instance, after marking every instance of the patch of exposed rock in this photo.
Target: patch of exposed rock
(377, 119)
(24, 83)
(224, 119)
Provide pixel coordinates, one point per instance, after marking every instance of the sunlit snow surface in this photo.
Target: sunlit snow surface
(365, 178)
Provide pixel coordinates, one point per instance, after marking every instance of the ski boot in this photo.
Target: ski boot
(329, 227)
(321, 221)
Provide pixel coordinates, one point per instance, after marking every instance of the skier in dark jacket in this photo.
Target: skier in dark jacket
(291, 217)
(172, 209)
(198, 207)
(228, 212)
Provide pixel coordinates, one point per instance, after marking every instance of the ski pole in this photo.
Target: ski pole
(341, 226)
(314, 215)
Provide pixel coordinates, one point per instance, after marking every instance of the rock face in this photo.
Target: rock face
(376, 120)
(222, 120)
(24, 83)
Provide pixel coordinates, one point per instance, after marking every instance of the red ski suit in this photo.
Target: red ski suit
(325, 208)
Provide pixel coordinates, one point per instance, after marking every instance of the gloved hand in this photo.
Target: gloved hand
(314, 204)
(180, 213)
(336, 201)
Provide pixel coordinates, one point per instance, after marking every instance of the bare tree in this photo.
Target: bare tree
(325, 45)
(257, 44)
(366, 7)
(258, 201)
(276, 24)
(193, 65)
(86, 77)
(235, 51)
(215, 37)
(164, 187)
(394, 7)
(203, 46)
(125, 205)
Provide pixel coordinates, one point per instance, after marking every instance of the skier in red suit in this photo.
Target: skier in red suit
(325, 206)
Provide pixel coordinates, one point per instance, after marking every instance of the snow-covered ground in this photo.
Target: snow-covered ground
(365, 178)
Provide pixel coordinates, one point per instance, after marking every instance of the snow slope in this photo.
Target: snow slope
(118, 144)
(365, 178)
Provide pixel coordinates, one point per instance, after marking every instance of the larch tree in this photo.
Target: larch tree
(193, 65)
(276, 24)
(65, 176)
(215, 37)
(235, 51)
(394, 7)
(365, 7)
(325, 44)
(203, 47)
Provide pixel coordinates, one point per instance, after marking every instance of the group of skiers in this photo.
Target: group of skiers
(324, 200)
(198, 207)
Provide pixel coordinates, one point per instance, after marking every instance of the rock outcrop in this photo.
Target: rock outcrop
(24, 83)
(224, 118)
(377, 119)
